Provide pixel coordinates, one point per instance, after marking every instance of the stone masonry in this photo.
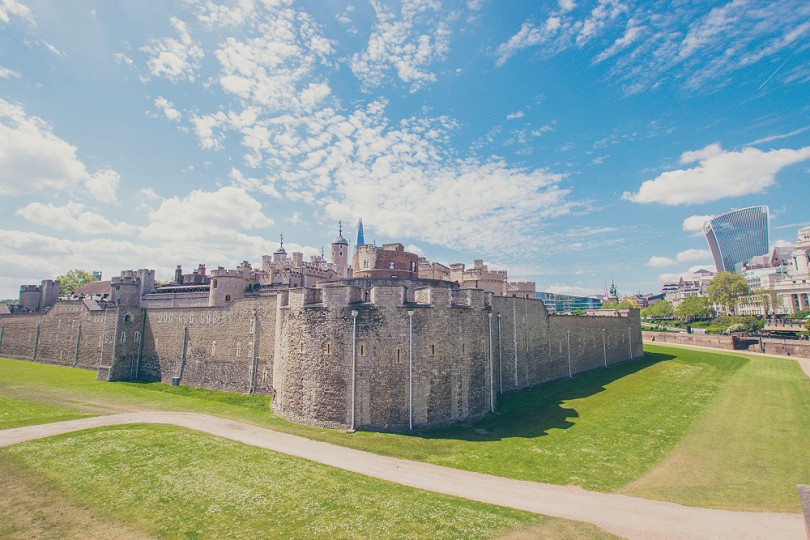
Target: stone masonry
(337, 355)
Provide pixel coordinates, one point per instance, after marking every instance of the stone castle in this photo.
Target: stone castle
(377, 345)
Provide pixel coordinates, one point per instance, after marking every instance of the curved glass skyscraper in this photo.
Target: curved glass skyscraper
(737, 236)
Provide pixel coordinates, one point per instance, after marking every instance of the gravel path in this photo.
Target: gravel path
(631, 517)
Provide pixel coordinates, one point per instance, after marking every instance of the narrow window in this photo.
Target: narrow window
(227, 297)
(137, 336)
(399, 352)
(391, 265)
(328, 348)
(123, 337)
(432, 350)
(238, 348)
(362, 349)
(213, 347)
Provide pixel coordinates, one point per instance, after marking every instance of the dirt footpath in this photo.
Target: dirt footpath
(627, 516)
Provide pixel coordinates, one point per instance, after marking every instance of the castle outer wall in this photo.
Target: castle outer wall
(332, 359)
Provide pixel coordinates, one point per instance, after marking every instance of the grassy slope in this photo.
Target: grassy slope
(25, 412)
(170, 482)
(749, 450)
(601, 430)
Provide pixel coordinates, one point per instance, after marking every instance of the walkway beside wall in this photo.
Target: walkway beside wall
(630, 517)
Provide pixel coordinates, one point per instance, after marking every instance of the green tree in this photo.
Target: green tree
(73, 279)
(767, 297)
(695, 307)
(660, 310)
(627, 303)
(726, 289)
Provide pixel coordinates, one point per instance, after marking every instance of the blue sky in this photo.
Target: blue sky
(570, 142)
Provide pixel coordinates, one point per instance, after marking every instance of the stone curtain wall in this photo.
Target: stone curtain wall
(228, 348)
(455, 376)
(467, 347)
(68, 335)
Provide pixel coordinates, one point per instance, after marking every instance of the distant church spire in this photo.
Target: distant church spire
(361, 240)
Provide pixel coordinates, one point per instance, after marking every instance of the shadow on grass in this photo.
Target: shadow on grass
(531, 413)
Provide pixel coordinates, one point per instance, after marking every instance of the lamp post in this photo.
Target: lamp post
(354, 361)
(500, 357)
(604, 347)
(491, 373)
(630, 342)
(410, 370)
(514, 327)
(568, 336)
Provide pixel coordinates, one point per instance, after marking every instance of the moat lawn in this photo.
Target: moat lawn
(138, 481)
(697, 427)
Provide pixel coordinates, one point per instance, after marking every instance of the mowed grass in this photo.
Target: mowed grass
(25, 412)
(603, 430)
(173, 483)
(748, 451)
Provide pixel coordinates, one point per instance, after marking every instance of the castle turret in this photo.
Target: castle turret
(125, 290)
(226, 286)
(280, 255)
(30, 296)
(340, 253)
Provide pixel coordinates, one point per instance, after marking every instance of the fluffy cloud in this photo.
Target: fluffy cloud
(16, 8)
(690, 255)
(395, 45)
(695, 223)
(656, 261)
(73, 216)
(174, 59)
(6, 73)
(167, 108)
(311, 149)
(33, 158)
(718, 175)
(647, 44)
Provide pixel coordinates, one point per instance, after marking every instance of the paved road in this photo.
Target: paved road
(630, 517)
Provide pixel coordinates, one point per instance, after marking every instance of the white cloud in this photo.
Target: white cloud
(167, 108)
(675, 276)
(73, 216)
(148, 193)
(204, 215)
(515, 115)
(719, 174)
(174, 59)
(656, 261)
(691, 255)
(33, 158)
(6, 73)
(121, 58)
(695, 46)
(16, 8)
(395, 45)
(695, 223)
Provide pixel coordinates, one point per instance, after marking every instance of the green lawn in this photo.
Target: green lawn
(170, 482)
(748, 451)
(621, 428)
(16, 412)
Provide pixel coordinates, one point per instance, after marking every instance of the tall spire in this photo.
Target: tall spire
(361, 241)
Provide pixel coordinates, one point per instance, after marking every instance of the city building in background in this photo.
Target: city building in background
(737, 236)
(566, 303)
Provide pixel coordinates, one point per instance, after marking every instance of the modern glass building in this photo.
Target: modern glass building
(564, 303)
(737, 236)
